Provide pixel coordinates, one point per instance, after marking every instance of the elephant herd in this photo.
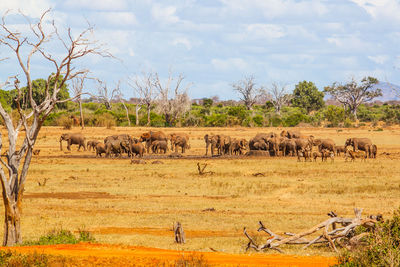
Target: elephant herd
(287, 143)
(117, 145)
(290, 143)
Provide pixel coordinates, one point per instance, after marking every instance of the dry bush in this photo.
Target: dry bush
(106, 120)
(65, 121)
(15, 259)
(192, 260)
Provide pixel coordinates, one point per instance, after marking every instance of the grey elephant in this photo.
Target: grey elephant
(113, 147)
(303, 144)
(212, 140)
(100, 149)
(180, 141)
(273, 146)
(260, 145)
(174, 136)
(260, 137)
(363, 144)
(92, 144)
(73, 139)
(291, 134)
(150, 137)
(159, 146)
(138, 149)
(238, 146)
(328, 144)
(124, 140)
(288, 147)
(225, 144)
(374, 151)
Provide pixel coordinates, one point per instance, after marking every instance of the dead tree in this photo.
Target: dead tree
(144, 87)
(77, 86)
(25, 47)
(201, 168)
(247, 91)
(172, 103)
(104, 95)
(179, 233)
(279, 96)
(120, 98)
(327, 236)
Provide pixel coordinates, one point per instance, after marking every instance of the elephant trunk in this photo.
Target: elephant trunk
(61, 144)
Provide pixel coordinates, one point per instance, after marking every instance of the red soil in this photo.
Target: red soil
(102, 254)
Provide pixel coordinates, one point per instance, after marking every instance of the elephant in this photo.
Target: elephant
(173, 136)
(260, 145)
(291, 134)
(180, 141)
(92, 144)
(100, 149)
(238, 145)
(113, 147)
(150, 137)
(138, 149)
(260, 137)
(324, 144)
(212, 140)
(73, 139)
(326, 153)
(316, 155)
(340, 149)
(124, 140)
(288, 147)
(363, 144)
(159, 146)
(303, 144)
(273, 146)
(225, 144)
(374, 151)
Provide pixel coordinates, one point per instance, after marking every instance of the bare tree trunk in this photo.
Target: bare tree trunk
(137, 114)
(81, 112)
(12, 222)
(148, 114)
(127, 113)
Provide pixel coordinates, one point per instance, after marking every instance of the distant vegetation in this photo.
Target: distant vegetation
(305, 106)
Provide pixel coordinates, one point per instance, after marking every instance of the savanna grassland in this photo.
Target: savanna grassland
(137, 204)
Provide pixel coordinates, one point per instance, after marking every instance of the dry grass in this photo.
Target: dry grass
(116, 199)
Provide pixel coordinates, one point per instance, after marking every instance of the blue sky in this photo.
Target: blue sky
(214, 43)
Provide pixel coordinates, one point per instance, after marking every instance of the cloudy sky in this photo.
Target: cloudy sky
(217, 42)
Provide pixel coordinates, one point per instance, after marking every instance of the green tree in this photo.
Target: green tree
(352, 94)
(307, 96)
(334, 115)
(39, 92)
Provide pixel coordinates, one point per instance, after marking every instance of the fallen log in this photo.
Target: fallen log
(327, 236)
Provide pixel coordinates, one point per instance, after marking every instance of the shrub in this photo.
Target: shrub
(382, 248)
(334, 115)
(105, 120)
(61, 236)
(12, 258)
(65, 121)
(193, 260)
(258, 120)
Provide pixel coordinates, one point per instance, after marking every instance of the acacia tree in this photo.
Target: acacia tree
(172, 102)
(279, 96)
(352, 94)
(144, 87)
(307, 96)
(25, 48)
(247, 91)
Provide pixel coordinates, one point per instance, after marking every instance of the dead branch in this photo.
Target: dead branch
(202, 167)
(179, 233)
(329, 237)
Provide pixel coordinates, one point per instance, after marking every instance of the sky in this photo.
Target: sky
(215, 43)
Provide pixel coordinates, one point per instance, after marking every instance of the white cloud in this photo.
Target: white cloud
(164, 14)
(182, 41)
(118, 18)
(379, 59)
(229, 64)
(106, 5)
(277, 8)
(32, 8)
(266, 31)
(381, 9)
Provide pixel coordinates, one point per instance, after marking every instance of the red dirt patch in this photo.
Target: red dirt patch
(102, 254)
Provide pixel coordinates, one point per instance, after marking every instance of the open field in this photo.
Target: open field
(137, 205)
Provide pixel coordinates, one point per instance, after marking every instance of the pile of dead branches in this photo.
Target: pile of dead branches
(334, 231)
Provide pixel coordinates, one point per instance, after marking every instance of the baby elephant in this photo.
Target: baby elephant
(304, 153)
(138, 149)
(158, 146)
(356, 154)
(100, 149)
(316, 155)
(92, 144)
